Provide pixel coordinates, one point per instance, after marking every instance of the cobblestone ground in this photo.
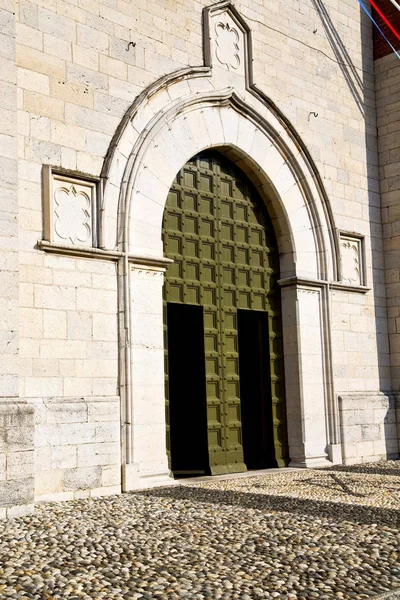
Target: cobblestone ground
(294, 534)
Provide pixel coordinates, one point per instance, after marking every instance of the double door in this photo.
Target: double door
(223, 341)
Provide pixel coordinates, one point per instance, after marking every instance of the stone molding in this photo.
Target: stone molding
(298, 281)
(100, 254)
(290, 180)
(344, 287)
(334, 285)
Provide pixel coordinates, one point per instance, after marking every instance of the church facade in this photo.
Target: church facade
(200, 233)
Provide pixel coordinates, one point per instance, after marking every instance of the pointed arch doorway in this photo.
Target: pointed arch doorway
(225, 406)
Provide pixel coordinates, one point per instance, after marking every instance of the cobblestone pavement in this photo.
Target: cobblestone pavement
(323, 534)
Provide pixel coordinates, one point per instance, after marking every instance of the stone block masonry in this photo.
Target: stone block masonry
(387, 78)
(368, 427)
(8, 206)
(77, 447)
(16, 459)
(77, 334)
(16, 420)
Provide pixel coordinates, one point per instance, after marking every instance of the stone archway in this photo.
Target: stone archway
(222, 323)
(176, 118)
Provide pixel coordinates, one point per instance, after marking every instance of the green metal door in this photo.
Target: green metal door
(217, 231)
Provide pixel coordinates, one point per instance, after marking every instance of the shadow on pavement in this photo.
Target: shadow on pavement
(368, 469)
(341, 486)
(267, 502)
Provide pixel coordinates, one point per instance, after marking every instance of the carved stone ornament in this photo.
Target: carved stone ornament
(228, 37)
(351, 248)
(72, 210)
(227, 45)
(69, 209)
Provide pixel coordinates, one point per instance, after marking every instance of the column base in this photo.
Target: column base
(311, 462)
(335, 454)
(133, 480)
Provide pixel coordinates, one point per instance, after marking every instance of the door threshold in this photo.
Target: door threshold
(183, 473)
(245, 475)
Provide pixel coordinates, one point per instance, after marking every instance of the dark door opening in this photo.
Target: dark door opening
(255, 390)
(187, 390)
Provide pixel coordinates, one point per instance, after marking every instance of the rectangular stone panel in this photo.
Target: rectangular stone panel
(70, 209)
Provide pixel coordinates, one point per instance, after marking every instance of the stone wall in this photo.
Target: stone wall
(8, 206)
(78, 74)
(80, 65)
(69, 332)
(77, 447)
(368, 421)
(16, 459)
(16, 421)
(368, 427)
(69, 369)
(387, 75)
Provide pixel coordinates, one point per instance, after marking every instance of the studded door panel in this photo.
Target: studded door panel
(219, 235)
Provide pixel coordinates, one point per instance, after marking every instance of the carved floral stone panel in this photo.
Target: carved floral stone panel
(227, 47)
(227, 42)
(70, 210)
(352, 260)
